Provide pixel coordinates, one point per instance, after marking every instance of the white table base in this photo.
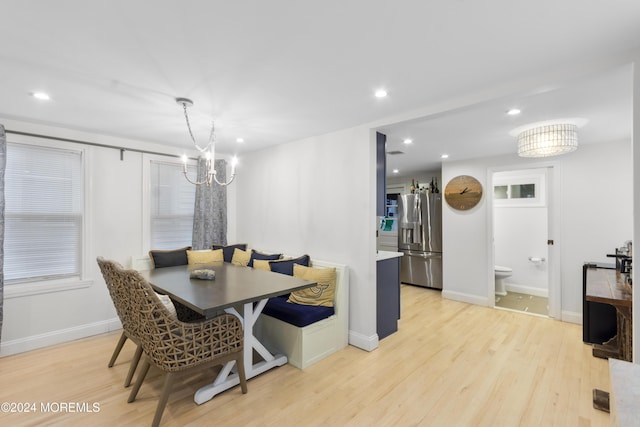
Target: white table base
(226, 378)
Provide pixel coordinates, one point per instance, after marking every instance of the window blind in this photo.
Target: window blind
(172, 203)
(43, 213)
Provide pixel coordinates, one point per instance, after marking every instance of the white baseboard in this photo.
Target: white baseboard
(470, 299)
(33, 342)
(536, 292)
(572, 317)
(368, 343)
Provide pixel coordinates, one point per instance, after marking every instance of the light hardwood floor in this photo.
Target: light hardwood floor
(450, 364)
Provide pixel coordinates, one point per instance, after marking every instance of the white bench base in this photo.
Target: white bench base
(307, 345)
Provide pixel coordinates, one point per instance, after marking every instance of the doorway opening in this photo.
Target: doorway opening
(522, 219)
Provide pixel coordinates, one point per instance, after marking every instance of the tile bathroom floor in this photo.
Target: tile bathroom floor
(523, 302)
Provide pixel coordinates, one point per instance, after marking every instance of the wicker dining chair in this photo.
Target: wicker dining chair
(174, 346)
(121, 303)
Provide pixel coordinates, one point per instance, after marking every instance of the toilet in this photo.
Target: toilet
(501, 274)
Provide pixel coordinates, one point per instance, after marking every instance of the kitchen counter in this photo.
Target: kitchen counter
(383, 255)
(608, 286)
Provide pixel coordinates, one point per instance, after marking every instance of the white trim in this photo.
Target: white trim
(519, 177)
(146, 202)
(88, 261)
(572, 317)
(536, 292)
(146, 193)
(368, 343)
(20, 290)
(553, 190)
(87, 214)
(468, 298)
(33, 342)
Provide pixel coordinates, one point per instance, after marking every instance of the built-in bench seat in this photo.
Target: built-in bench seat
(307, 344)
(296, 314)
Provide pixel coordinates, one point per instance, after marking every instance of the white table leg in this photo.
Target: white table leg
(226, 379)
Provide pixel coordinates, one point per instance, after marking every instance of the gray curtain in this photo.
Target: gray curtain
(210, 212)
(3, 162)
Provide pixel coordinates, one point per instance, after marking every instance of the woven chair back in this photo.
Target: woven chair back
(170, 344)
(119, 295)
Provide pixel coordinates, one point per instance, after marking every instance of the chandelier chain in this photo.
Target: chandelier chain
(211, 135)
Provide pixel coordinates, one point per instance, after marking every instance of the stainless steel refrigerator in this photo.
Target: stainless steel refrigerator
(420, 239)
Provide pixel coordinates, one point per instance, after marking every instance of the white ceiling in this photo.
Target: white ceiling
(281, 70)
(601, 104)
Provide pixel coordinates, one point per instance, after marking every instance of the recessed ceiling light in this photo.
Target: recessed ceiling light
(40, 95)
(408, 141)
(444, 156)
(239, 139)
(396, 171)
(381, 93)
(513, 112)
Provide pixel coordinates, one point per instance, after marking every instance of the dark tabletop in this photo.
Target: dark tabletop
(607, 286)
(233, 285)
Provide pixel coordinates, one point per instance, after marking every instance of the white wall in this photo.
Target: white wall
(317, 196)
(596, 216)
(423, 178)
(40, 314)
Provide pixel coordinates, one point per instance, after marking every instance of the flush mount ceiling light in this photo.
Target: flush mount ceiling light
(548, 140)
(408, 141)
(208, 151)
(513, 111)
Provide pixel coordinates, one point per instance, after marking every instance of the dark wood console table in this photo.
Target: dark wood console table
(608, 287)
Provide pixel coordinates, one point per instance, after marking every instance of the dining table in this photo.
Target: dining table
(238, 290)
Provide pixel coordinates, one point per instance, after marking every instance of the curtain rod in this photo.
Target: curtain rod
(94, 144)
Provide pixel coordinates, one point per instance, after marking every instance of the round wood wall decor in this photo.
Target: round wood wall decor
(463, 192)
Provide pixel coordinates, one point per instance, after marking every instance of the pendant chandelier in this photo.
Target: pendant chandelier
(208, 151)
(548, 140)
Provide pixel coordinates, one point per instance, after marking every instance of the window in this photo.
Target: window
(172, 203)
(44, 213)
(519, 188)
(517, 191)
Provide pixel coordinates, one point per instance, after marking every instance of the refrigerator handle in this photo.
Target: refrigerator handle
(407, 235)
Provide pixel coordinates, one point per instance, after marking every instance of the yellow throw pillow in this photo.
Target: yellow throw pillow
(205, 257)
(240, 257)
(261, 264)
(320, 294)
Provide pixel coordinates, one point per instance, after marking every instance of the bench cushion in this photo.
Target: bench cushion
(240, 257)
(296, 314)
(169, 258)
(259, 255)
(286, 266)
(322, 293)
(228, 250)
(205, 257)
(282, 266)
